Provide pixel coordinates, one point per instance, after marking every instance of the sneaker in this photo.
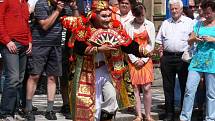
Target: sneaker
(29, 116)
(34, 108)
(50, 115)
(19, 117)
(20, 112)
(65, 110)
(8, 118)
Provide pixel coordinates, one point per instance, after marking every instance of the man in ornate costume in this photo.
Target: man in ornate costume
(98, 87)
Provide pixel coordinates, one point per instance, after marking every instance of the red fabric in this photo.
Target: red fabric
(14, 16)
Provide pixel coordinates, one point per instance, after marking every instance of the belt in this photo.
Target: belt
(165, 53)
(99, 64)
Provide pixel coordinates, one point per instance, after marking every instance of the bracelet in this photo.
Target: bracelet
(141, 50)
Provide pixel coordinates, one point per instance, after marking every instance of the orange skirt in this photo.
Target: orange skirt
(142, 76)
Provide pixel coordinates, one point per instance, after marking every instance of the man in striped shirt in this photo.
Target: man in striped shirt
(46, 51)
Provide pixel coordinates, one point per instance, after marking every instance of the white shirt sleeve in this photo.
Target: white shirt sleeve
(151, 32)
(159, 35)
(145, 60)
(133, 58)
(32, 4)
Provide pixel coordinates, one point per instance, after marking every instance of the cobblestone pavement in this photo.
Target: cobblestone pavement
(125, 115)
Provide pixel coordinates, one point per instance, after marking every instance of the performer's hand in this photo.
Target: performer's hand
(11, 47)
(29, 50)
(105, 48)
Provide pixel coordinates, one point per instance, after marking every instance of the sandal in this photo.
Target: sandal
(138, 118)
(149, 119)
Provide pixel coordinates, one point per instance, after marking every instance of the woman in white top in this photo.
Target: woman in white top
(142, 31)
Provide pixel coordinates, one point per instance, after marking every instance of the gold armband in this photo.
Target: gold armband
(95, 50)
(145, 51)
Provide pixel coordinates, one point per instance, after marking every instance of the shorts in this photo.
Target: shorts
(45, 59)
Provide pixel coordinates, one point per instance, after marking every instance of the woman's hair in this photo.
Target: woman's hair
(137, 9)
(208, 3)
(188, 12)
(131, 1)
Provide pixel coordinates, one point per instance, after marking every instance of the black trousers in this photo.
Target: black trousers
(171, 64)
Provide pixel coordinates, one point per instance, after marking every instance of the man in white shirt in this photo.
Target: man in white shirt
(173, 35)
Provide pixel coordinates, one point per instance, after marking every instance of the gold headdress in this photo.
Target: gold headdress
(98, 5)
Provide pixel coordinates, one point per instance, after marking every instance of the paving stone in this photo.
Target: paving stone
(40, 101)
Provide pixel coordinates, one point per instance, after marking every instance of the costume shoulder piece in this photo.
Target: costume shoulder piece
(83, 31)
(117, 26)
(78, 26)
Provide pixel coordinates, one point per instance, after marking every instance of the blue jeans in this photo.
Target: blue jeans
(2, 78)
(191, 87)
(14, 65)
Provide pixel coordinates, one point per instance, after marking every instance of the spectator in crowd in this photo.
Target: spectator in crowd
(21, 103)
(142, 31)
(188, 12)
(200, 16)
(64, 79)
(114, 3)
(15, 38)
(46, 52)
(114, 6)
(95, 88)
(202, 63)
(173, 34)
(192, 6)
(31, 4)
(200, 97)
(64, 84)
(124, 13)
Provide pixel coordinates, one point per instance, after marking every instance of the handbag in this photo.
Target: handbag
(188, 54)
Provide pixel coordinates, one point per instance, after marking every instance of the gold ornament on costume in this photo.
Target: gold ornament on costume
(106, 36)
(99, 5)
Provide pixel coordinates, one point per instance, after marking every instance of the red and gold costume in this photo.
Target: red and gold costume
(85, 38)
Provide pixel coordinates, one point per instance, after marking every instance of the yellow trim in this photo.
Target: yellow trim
(49, 2)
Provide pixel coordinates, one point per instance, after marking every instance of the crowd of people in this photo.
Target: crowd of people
(105, 61)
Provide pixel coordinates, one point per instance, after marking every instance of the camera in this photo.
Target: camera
(65, 1)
